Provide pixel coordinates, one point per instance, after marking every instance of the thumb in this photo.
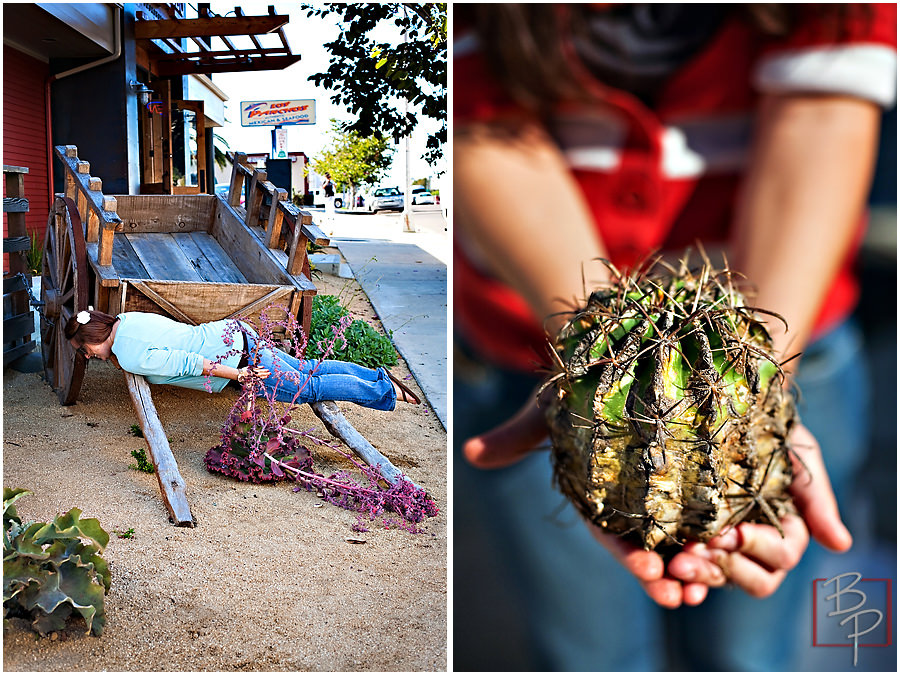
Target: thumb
(509, 442)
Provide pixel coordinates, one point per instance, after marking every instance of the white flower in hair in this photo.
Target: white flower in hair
(83, 317)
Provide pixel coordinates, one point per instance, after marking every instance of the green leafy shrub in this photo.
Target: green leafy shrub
(49, 570)
(361, 343)
(143, 464)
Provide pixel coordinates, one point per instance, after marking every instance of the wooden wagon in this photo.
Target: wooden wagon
(194, 258)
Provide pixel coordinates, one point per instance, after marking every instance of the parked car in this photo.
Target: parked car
(384, 199)
(421, 195)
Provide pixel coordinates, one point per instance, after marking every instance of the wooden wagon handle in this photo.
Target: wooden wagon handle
(171, 484)
(337, 425)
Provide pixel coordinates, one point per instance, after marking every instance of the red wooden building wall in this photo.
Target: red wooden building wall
(25, 133)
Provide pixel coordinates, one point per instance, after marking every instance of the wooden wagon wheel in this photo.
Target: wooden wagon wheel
(64, 291)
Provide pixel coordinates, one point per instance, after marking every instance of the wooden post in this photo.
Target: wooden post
(296, 308)
(93, 220)
(104, 256)
(337, 425)
(81, 200)
(254, 198)
(15, 216)
(71, 188)
(276, 218)
(237, 179)
(305, 313)
(297, 250)
(171, 484)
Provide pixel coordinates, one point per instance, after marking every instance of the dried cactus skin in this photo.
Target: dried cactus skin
(668, 419)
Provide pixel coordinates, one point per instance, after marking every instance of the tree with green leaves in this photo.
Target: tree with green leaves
(352, 159)
(368, 74)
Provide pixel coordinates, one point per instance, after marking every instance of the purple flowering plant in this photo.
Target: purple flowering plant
(257, 445)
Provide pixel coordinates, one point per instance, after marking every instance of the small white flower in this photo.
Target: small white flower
(82, 317)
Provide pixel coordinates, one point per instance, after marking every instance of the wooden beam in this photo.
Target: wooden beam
(262, 303)
(171, 484)
(17, 352)
(16, 244)
(163, 303)
(338, 426)
(239, 12)
(208, 27)
(15, 205)
(214, 57)
(226, 65)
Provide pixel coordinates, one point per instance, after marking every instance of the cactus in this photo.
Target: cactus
(669, 419)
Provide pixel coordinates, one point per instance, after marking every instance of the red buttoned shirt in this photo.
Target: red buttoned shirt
(664, 178)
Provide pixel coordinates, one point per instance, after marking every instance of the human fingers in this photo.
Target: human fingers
(812, 493)
(746, 573)
(754, 557)
(647, 566)
(665, 592)
(650, 570)
(694, 594)
(509, 442)
(764, 544)
(694, 566)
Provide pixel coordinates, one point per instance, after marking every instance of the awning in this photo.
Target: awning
(215, 50)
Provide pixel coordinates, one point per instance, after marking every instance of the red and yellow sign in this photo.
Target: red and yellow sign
(274, 113)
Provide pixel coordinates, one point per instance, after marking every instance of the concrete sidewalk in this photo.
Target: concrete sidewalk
(407, 286)
(408, 289)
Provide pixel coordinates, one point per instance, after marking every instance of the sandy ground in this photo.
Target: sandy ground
(268, 580)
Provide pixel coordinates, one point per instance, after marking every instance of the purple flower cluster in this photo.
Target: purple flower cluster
(257, 445)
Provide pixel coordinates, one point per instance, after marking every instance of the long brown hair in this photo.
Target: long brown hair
(525, 45)
(94, 332)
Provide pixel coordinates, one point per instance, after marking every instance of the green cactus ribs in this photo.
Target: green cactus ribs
(669, 419)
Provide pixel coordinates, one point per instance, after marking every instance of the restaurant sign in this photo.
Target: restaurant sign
(271, 113)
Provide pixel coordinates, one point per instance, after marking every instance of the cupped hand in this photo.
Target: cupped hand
(754, 556)
(751, 556)
(521, 435)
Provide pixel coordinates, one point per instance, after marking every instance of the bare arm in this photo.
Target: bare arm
(803, 196)
(802, 199)
(229, 373)
(520, 212)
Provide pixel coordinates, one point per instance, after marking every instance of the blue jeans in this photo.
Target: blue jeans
(295, 381)
(533, 590)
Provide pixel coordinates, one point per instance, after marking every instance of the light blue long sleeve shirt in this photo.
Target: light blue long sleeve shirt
(168, 352)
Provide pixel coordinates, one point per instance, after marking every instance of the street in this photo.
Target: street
(431, 233)
(404, 275)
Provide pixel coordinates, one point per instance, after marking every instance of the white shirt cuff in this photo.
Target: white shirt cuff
(864, 71)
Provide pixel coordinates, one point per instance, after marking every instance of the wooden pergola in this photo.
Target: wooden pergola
(169, 58)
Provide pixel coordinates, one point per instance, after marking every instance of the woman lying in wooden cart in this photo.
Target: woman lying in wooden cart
(199, 357)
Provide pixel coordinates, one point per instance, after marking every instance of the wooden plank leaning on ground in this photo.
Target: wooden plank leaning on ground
(337, 425)
(171, 484)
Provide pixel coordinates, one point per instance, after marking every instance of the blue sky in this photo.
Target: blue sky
(306, 36)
